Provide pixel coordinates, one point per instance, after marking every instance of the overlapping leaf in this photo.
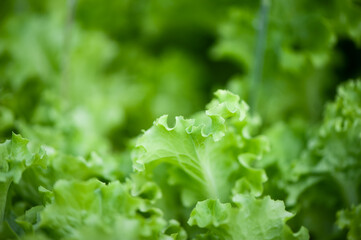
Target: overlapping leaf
(90, 209)
(328, 172)
(250, 218)
(209, 154)
(350, 219)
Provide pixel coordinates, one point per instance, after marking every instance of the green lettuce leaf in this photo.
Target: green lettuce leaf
(209, 155)
(91, 209)
(15, 158)
(350, 219)
(249, 218)
(327, 175)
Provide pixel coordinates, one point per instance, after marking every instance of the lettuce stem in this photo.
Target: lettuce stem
(261, 42)
(66, 61)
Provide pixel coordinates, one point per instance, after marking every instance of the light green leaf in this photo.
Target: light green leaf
(90, 210)
(250, 218)
(15, 158)
(210, 213)
(208, 154)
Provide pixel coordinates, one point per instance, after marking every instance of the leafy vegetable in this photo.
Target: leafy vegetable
(212, 153)
(15, 159)
(350, 219)
(251, 218)
(328, 172)
(79, 80)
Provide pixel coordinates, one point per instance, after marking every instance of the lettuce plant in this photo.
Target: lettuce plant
(79, 80)
(208, 160)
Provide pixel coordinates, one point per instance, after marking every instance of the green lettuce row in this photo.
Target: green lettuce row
(61, 113)
(209, 164)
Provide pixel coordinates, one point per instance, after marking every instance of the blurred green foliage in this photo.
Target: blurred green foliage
(81, 80)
